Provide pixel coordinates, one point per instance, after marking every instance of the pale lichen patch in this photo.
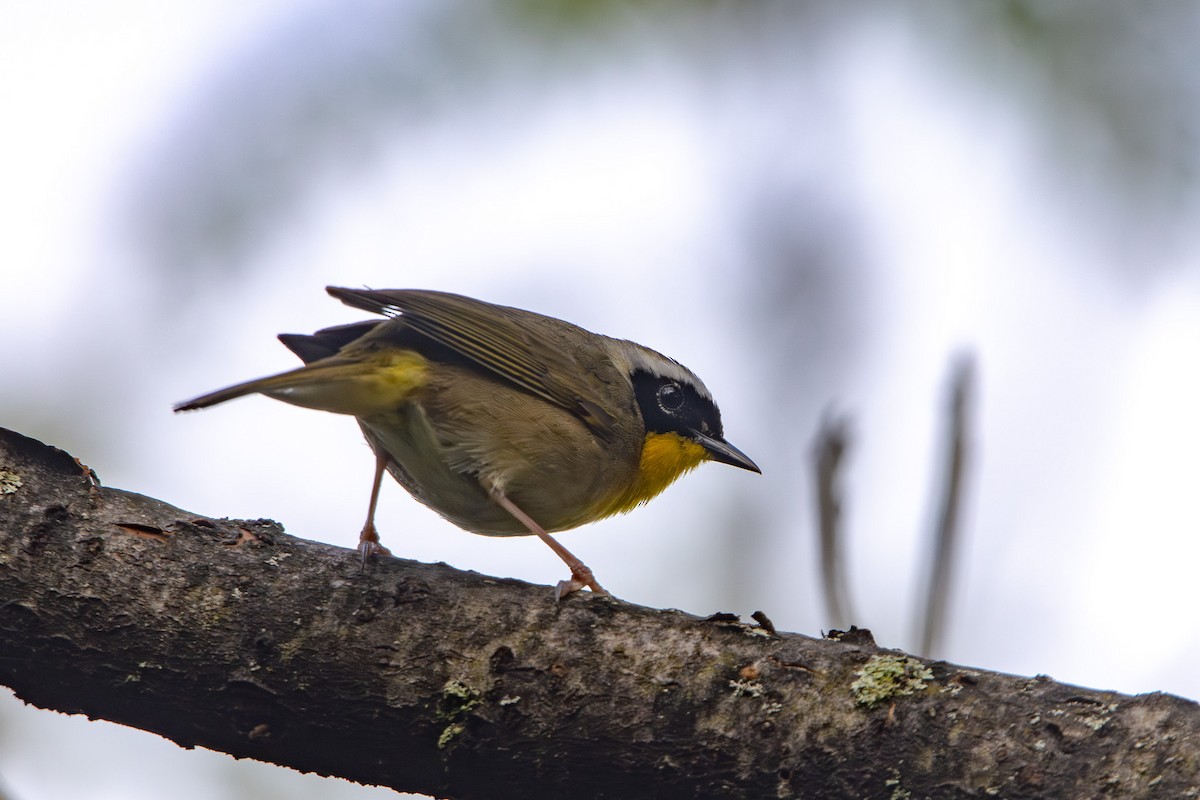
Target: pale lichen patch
(456, 702)
(885, 677)
(744, 688)
(10, 482)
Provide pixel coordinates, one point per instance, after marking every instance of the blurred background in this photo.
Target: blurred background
(817, 207)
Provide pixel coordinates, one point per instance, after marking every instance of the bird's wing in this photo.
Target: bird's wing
(528, 350)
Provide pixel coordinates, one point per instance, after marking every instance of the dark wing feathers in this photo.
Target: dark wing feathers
(327, 341)
(499, 340)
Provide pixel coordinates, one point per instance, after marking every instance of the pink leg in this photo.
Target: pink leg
(368, 540)
(581, 575)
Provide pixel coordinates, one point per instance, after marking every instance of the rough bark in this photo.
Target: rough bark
(232, 635)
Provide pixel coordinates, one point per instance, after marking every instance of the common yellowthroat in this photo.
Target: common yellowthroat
(504, 421)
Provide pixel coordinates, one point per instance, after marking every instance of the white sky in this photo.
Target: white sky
(1083, 521)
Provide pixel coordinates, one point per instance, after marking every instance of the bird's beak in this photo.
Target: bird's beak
(723, 451)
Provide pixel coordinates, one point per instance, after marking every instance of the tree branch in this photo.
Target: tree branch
(231, 635)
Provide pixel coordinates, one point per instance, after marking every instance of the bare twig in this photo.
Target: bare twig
(946, 528)
(830, 445)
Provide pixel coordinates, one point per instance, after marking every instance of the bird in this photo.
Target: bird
(504, 421)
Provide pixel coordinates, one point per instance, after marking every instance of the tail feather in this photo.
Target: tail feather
(359, 386)
(255, 386)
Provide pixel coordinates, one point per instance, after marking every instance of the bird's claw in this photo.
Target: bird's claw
(368, 545)
(581, 576)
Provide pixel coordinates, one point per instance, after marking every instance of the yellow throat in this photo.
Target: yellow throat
(665, 457)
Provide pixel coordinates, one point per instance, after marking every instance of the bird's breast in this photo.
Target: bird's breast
(461, 431)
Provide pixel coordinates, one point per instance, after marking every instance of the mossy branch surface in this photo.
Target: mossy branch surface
(232, 635)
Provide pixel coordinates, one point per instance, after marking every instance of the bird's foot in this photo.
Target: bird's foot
(581, 576)
(368, 545)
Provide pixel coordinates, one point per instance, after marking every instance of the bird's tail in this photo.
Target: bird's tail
(362, 386)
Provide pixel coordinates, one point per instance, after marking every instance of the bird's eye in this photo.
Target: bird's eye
(670, 397)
